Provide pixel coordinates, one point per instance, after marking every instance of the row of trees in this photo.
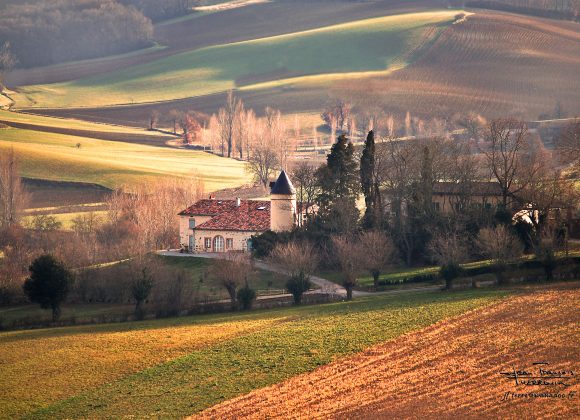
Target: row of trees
(56, 31)
(235, 131)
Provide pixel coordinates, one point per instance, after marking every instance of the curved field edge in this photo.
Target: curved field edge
(308, 338)
(450, 369)
(356, 49)
(58, 157)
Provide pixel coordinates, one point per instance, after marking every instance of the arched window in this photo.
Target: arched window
(218, 244)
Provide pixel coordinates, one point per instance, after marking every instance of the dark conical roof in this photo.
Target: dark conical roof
(283, 186)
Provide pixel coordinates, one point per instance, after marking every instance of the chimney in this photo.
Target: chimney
(238, 202)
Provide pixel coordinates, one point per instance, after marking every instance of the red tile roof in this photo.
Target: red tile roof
(251, 216)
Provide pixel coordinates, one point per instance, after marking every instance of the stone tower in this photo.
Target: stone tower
(283, 204)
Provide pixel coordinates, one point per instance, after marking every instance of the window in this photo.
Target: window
(436, 206)
(229, 243)
(207, 243)
(218, 244)
(249, 244)
(191, 223)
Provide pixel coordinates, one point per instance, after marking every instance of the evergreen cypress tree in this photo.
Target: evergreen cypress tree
(339, 186)
(367, 169)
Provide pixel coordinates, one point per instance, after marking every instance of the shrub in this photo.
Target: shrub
(298, 285)
(48, 284)
(141, 288)
(246, 297)
(450, 272)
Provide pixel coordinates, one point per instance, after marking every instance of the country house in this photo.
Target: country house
(212, 225)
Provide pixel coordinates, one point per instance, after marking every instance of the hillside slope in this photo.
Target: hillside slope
(493, 63)
(346, 51)
(451, 369)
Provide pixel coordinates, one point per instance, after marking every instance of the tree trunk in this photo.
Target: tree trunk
(348, 292)
(298, 298)
(232, 293)
(376, 275)
(139, 313)
(55, 312)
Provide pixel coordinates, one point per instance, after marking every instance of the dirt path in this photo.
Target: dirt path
(449, 370)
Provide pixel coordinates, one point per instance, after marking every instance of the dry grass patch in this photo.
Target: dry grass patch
(40, 367)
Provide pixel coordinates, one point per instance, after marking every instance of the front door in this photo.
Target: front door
(191, 243)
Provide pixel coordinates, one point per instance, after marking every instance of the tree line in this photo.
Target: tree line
(38, 33)
(397, 179)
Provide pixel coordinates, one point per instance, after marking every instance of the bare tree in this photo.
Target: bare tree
(190, 127)
(506, 143)
(245, 132)
(7, 62)
(463, 173)
(449, 250)
(299, 260)
(377, 251)
(473, 124)
(348, 255)
(501, 246)
(174, 116)
(153, 208)
(338, 114)
(232, 271)
(568, 145)
(153, 119)
(13, 198)
(275, 134)
(228, 118)
(263, 161)
(304, 179)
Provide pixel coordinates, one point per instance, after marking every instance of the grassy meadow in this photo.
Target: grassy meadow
(172, 368)
(359, 48)
(112, 164)
(74, 124)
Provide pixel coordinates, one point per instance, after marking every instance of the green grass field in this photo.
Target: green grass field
(262, 281)
(172, 368)
(113, 164)
(359, 48)
(67, 219)
(73, 124)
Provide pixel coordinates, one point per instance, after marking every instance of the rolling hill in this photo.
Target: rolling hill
(80, 156)
(492, 63)
(315, 57)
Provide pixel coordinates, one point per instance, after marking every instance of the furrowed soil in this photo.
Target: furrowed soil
(450, 369)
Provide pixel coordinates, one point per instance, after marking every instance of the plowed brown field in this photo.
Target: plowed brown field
(449, 370)
(495, 64)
